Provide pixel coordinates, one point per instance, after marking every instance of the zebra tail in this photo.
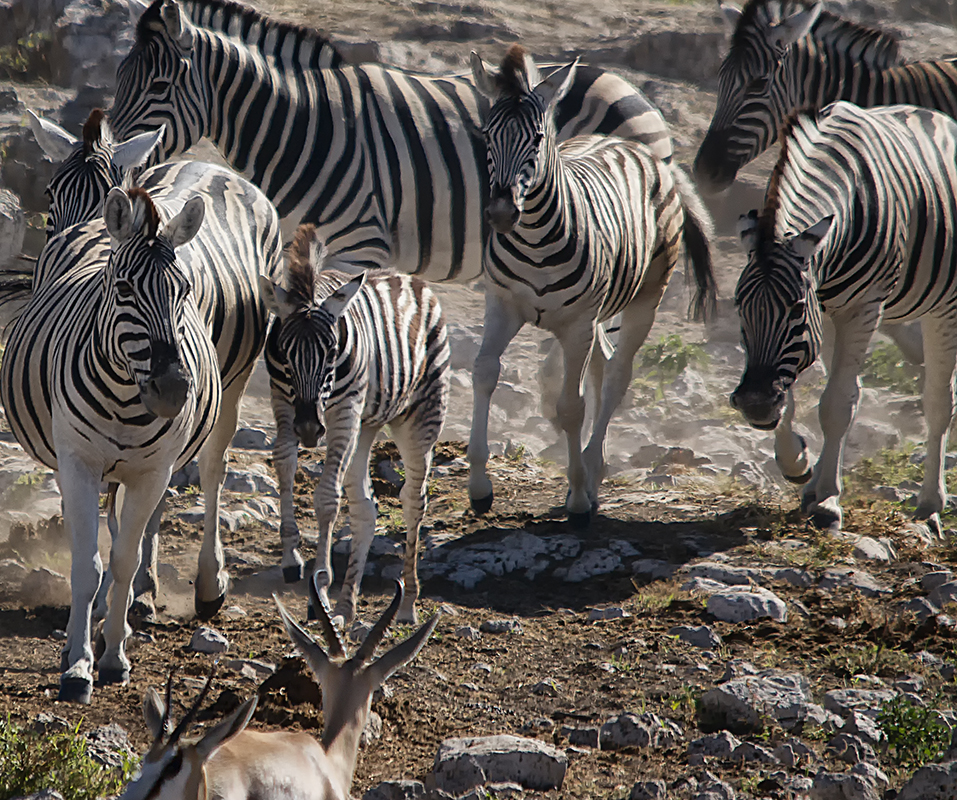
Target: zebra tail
(16, 289)
(698, 234)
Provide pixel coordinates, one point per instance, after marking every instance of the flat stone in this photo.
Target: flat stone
(719, 745)
(727, 574)
(801, 578)
(943, 594)
(742, 705)
(251, 439)
(931, 782)
(501, 626)
(752, 753)
(866, 548)
(634, 730)
(250, 668)
(583, 737)
(468, 633)
(593, 563)
(461, 764)
(714, 789)
(745, 604)
(703, 586)
(931, 580)
(697, 636)
(397, 790)
(207, 640)
(837, 578)
(864, 726)
(843, 701)
(601, 614)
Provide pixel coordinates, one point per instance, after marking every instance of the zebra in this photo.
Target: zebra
(858, 224)
(109, 373)
(791, 55)
(362, 353)
(582, 230)
(238, 241)
(388, 165)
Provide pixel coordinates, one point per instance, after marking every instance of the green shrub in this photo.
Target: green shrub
(658, 364)
(915, 734)
(886, 368)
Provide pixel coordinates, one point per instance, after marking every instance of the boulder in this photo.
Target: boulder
(462, 764)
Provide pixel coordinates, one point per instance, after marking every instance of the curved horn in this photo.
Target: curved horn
(165, 722)
(333, 640)
(367, 649)
(190, 715)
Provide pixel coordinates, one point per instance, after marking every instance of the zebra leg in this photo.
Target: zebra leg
(113, 499)
(80, 490)
(940, 345)
(836, 411)
(141, 501)
(343, 422)
(285, 459)
(577, 345)
(362, 517)
(790, 449)
(502, 322)
(212, 580)
(550, 382)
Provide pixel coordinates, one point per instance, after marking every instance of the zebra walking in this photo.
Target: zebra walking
(360, 354)
(388, 165)
(227, 295)
(791, 55)
(582, 230)
(858, 224)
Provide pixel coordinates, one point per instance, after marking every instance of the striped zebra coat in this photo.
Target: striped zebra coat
(582, 230)
(347, 358)
(859, 224)
(791, 55)
(388, 165)
(239, 242)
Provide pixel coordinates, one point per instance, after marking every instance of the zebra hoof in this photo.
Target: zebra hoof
(75, 690)
(580, 520)
(482, 505)
(110, 675)
(207, 609)
(807, 500)
(292, 574)
(800, 479)
(826, 522)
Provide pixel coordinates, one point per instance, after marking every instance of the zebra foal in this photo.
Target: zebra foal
(581, 230)
(345, 358)
(858, 224)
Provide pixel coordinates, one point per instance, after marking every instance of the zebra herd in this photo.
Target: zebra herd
(151, 300)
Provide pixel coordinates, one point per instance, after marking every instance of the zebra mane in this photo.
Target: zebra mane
(518, 74)
(873, 46)
(96, 131)
(145, 213)
(767, 220)
(305, 257)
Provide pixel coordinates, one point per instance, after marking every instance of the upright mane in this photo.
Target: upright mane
(304, 257)
(515, 72)
(93, 130)
(767, 220)
(146, 217)
(873, 46)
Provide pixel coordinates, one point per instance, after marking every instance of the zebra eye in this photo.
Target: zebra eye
(160, 86)
(758, 86)
(124, 289)
(538, 138)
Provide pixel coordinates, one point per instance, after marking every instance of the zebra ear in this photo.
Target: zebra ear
(805, 244)
(185, 225)
(137, 7)
(275, 298)
(118, 214)
(748, 230)
(556, 85)
(483, 76)
(336, 303)
(134, 152)
(177, 26)
(53, 140)
(795, 27)
(732, 15)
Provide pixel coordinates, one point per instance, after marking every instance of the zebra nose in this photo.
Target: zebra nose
(166, 389)
(760, 407)
(307, 425)
(502, 212)
(714, 170)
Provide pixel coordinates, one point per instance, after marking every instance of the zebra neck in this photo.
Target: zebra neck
(546, 215)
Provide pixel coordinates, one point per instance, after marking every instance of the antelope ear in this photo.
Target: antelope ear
(185, 225)
(336, 303)
(154, 712)
(134, 151)
(177, 25)
(805, 244)
(747, 228)
(556, 85)
(53, 140)
(231, 726)
(402, 653)
(118, 214)
(484, 76)
(731, 14)
(275, 297)
(796, 26)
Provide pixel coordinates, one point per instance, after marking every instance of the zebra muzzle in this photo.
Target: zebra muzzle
(761, 409)
(165, 391)
(502, 214)
(309, 429)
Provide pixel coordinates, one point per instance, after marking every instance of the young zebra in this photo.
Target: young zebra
(239, 242)
(109, 374)
(360, 354)
(582, 230)
(858, 224)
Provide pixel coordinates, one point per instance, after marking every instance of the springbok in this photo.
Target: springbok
(231, 763)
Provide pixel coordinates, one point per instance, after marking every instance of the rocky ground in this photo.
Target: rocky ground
(699, 641)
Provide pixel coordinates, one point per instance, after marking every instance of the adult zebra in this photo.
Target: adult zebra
(388, 165)
(859, 224)
(74, 403)
(583, 230)
(791, 55)
(240, 242)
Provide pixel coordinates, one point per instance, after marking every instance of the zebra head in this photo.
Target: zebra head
(520, 129)
(780, 316)
(89, 168)
(157, 83)
(755, 87)
(143, 315)
(308, 338)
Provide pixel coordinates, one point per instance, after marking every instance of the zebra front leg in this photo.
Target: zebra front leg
(80, 490)
(212, 580)
(285, 457)
(790, 449)
(502, 322)
(837, 409)
(940, 346)
(362, 517)
(140, 503)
